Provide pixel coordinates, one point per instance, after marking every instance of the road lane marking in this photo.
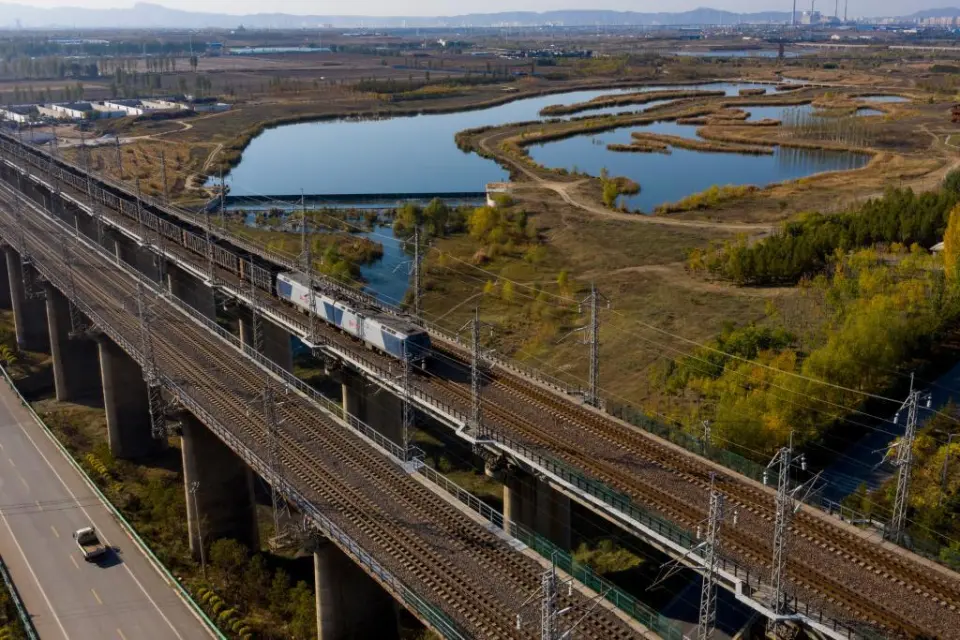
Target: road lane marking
(54, 531)
(120, 633)
(39, 506)
(11, 411)
(74, 561)
(24, 482)
(96, 595)
(12, 463)
(33, 573)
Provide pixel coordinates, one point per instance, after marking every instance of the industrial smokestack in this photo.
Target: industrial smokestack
(794, 19)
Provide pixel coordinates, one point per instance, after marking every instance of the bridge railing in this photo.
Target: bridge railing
(435, 616)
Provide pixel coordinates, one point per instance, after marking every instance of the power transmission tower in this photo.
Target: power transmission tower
(151, 375)
(904, 462)
(476, 375)
(711, 553)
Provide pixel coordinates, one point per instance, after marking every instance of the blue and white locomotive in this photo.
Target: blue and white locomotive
(389, 334)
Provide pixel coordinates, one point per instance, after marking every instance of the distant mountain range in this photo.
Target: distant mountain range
(147, 15)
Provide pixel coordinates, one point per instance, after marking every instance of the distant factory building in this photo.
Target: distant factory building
(21, 114)
(78, 111)
(811, 17)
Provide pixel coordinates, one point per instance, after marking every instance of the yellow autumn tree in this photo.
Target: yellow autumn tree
(951, 246)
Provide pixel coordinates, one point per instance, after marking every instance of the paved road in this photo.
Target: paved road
(42, 501)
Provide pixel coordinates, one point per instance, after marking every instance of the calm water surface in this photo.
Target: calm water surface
(418, 154)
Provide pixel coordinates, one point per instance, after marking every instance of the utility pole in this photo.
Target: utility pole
(158, 418)
(548, 604)
(272, 424)
(306, 265)
(119, 158)
(223, 197)
(163, 177)
(408, 413)
(783, 462)
(476, 375)
(256, 322)
(77, 326)
(211, 266)
(141, 230)
(593, 393)
(904, 462)
(31, 288)
(417, 276)
(711, 553)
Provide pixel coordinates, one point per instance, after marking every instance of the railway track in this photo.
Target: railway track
(813, 583)
(919, 597)
(473, 576)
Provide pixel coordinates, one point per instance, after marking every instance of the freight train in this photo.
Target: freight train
(392, 335)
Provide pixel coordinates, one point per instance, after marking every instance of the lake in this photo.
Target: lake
(419, 154)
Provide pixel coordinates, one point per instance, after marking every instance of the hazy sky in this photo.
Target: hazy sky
(456, 7)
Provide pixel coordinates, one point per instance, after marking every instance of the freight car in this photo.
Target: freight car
(392, 335)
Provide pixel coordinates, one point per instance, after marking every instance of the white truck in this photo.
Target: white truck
(89, 543)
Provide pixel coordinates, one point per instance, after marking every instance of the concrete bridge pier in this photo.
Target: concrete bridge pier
(277, 341)
(535, 505)
(29, 314)
(143, 260)
(189, 289)
(219, 490)
(350, 604)
(74, 357)
(126, 403)
(372, 405)
(5, 301)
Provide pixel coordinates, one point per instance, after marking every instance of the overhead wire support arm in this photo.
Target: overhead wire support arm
(306, 265)
(256, 322)
(151, 375)
(78, 326)
(592, 339)
(272, 423)
(787, 504)
(711, 552)
(476, 375)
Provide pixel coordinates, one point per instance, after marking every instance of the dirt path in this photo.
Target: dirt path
(563, 189)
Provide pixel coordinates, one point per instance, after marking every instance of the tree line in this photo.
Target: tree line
(806, 246)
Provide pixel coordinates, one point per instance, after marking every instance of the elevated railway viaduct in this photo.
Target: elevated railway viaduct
(843, 582)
